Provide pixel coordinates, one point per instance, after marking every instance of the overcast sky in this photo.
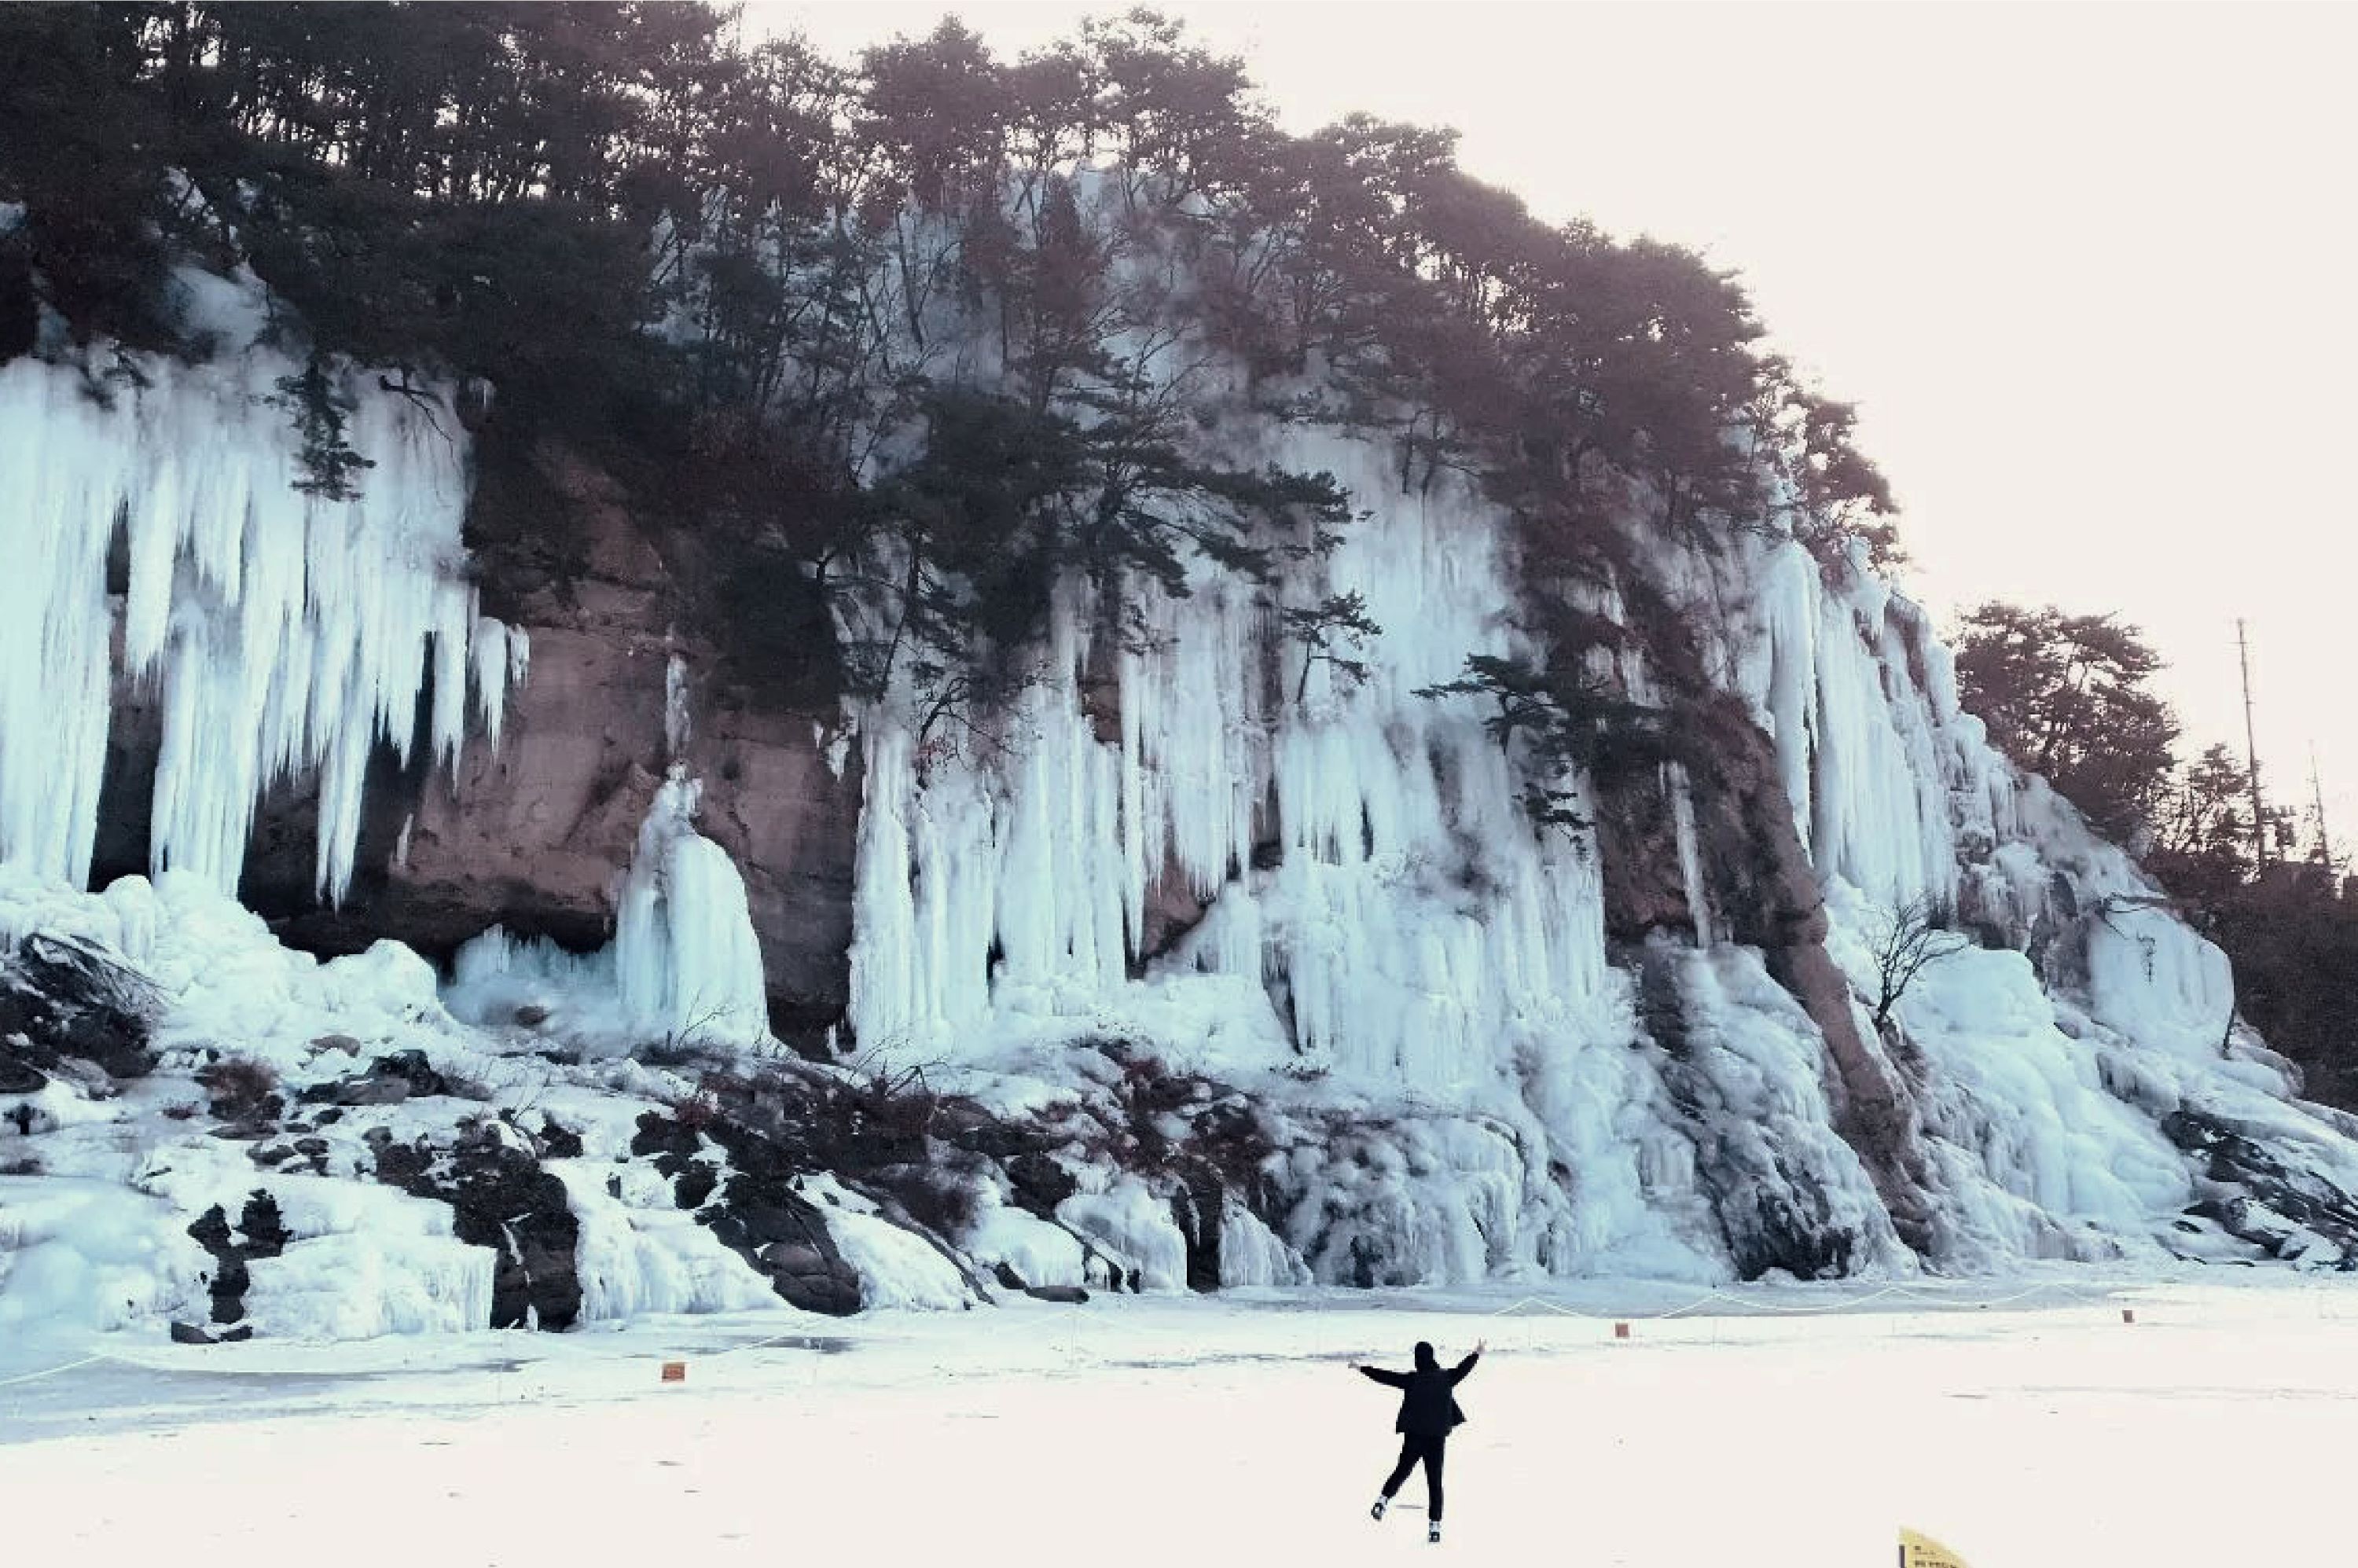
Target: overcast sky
(2087, 269)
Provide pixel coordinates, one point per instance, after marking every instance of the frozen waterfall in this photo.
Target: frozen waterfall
(285, 635)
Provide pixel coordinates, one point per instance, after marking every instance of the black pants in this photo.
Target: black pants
(1428, 1449)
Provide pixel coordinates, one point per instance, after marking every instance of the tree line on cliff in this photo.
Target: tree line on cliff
(970, 316)
(973, 309)
(2070, 697)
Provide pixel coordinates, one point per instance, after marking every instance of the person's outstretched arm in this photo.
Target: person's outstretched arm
(1389, 1380)
(1457, 1373)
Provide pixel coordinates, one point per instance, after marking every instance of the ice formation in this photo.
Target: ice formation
(1318, 895)
(684, 964)
(1410, 914)
(98, 1238)
(284, 635)
(1392, 956)
(685, 960)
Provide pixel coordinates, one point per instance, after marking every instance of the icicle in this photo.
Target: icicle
(1690, 853)
(884, 1004)
(288, 634)
(1043, 848)
(685, 958)
(502, 656)
(675, 721)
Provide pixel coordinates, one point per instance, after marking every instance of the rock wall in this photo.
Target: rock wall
(533, 832)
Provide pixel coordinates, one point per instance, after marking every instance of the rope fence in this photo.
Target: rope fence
(52, 1371)
(1708, 1300)
(147, 1365)
(1733, 1303)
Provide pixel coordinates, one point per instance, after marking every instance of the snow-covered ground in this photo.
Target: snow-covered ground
(1781, 1428)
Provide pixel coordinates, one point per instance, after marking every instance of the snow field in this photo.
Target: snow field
(1168, 1430)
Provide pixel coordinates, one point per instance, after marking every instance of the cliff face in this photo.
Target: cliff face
(1202, 962)
(533, 831)
(298, 700)
(1642, 1042)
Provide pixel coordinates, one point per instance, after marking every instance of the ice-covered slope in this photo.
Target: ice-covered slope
(2080, 1077)
(1201, 967)
(1389, 955)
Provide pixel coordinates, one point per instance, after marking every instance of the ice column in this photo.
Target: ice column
(286, 635)
(685, 958)
(1412, 919)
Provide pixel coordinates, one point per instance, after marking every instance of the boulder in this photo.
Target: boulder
(60, 996)
(246, 1131)
(758, 1214)
(694, 1183)
(371, 1091)
(1040, 1184)
(410, 1067)
(263, 1235)
(501, 1199)
(560, 1140)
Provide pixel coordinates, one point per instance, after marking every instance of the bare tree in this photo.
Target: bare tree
(1913, 936)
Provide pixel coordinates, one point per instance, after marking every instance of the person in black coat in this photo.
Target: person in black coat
(1428, 1413)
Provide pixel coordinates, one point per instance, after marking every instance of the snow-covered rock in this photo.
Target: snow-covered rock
(1209, 967)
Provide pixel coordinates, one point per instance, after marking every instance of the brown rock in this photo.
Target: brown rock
(1637, 844)
(246, 1131)
(1759, 877)
(372, 1091)
(535, 834)
(1171, 911)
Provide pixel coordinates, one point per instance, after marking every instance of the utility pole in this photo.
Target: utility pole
(2317, 795)
(2252, 753)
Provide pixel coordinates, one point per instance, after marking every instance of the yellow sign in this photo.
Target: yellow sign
(1918, 1551)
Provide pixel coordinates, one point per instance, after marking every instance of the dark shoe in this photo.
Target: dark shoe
(1377, 1511)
